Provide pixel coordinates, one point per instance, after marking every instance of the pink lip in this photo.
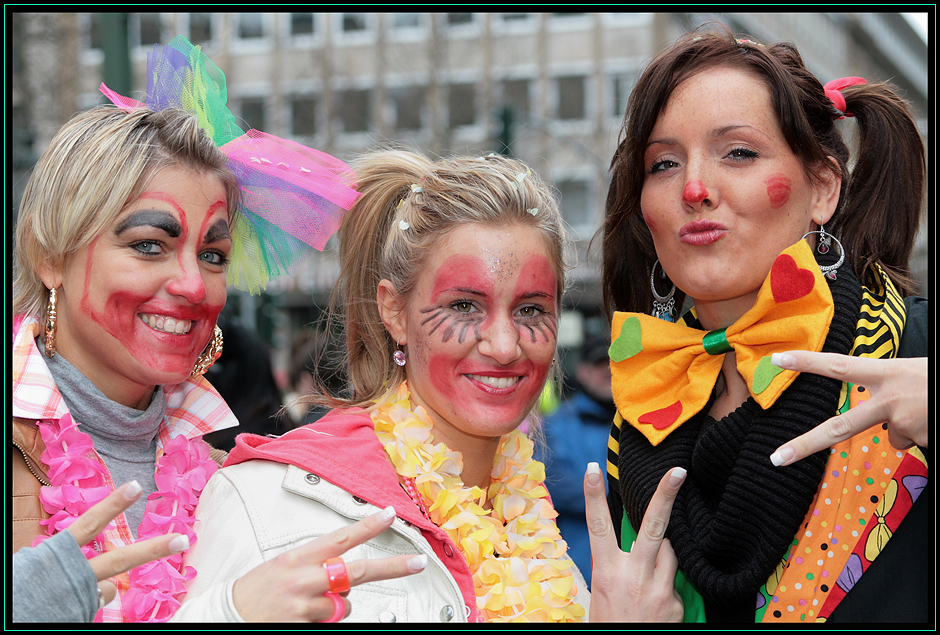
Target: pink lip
(702, 232)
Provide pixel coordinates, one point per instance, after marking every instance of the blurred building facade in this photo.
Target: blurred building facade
(548, 87)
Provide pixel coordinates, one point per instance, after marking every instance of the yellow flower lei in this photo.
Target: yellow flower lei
(514, 551)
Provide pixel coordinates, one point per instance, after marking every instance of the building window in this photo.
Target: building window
(304, 116)
(200, 27)
(575, 207)
(516, 95)
(406, 20)
(515, 17)
(150, 29)
(253, 113)
(457, 19)
(355, 110)
(302, 23)
(408, 103)
(250, 25)
(462, 105)
(570, 97)
(354, 22)
(622, 86)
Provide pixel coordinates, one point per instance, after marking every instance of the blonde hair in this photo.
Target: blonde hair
(408, 204)
(96, 164)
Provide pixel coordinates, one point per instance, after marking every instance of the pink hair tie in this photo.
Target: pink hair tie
(833, 92)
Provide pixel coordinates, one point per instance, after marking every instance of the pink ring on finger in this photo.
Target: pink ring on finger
(339, 607)
(336, 572)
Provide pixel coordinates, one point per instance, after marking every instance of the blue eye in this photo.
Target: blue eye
(213, 258)
(148, 247)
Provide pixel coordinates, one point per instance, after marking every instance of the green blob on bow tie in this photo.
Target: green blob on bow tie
(764, 374)
(628, 343)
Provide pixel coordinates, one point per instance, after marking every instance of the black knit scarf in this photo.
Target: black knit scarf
(736, 514)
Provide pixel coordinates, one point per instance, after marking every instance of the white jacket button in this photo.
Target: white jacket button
(447, 613)
(388, 617)
(313, 479)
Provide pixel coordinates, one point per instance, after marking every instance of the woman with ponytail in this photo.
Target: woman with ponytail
(449, 294)
(793, 390)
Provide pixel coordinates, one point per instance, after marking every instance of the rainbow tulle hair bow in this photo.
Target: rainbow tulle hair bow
(293, 197)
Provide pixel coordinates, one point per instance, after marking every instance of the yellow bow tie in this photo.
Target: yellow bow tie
(664, 373)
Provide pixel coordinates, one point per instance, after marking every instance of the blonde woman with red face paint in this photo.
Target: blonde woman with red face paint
(450, 290)
(124, 237)
(732, 194)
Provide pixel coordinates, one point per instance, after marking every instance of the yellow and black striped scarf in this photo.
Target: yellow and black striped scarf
(879, 324)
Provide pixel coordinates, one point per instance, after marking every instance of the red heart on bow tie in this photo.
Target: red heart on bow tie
(788, 281)
(662, 418)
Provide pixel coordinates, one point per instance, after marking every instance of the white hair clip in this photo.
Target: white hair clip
(416, 188)
(403, 224)
(533, 211)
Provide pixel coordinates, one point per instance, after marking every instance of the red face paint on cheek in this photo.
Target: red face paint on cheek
(649, 222)
(118, 316)
(460, 399)
(163, 352)
(778, 190)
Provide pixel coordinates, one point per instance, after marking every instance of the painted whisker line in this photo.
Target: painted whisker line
(448, 333)
(437, 313)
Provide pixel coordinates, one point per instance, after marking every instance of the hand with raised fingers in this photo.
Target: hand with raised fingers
(638, 586)
(109, 564)
(309, 583)
(898, 397)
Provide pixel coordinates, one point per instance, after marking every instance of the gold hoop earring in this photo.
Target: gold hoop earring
(212, 353)
(50, 324)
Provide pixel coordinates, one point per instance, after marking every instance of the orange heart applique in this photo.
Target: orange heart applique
(663, 418)
(788, 281)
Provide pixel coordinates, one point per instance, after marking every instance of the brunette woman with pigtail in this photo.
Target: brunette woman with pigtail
(734, 194)
(449, 294)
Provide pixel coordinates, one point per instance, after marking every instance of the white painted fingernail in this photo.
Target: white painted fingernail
(387, 514)
(782, 456)
(131, 490)
(677, 476)
(418, 563)
(782, 360)
(593, 473)
(180, 543)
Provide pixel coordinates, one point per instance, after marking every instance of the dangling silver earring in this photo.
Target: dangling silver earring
(825, 243)
(399, 356)
(664, 306)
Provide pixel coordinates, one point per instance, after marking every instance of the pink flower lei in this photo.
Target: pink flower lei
(79, 480)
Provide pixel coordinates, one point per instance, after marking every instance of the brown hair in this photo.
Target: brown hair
(879, 207)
